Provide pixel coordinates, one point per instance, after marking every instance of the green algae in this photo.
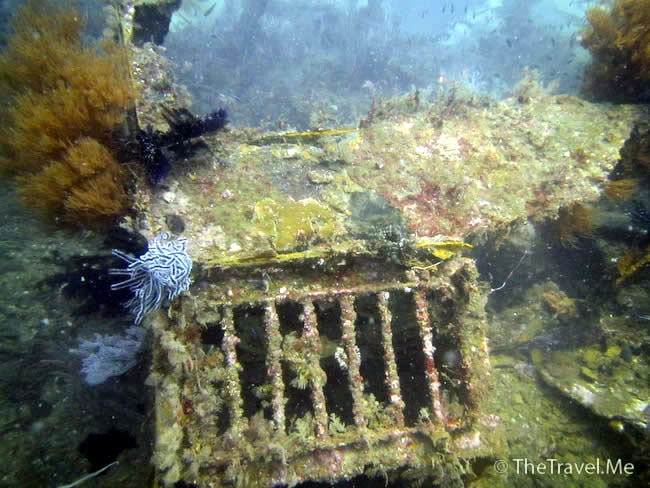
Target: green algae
(295, 224)
(484, 168)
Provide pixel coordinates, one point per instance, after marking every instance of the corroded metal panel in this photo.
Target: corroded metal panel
(322, 383)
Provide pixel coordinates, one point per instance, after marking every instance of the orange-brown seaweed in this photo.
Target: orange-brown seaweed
(84, 187)
(621, 189)
(618, 38)
(573, 223)
(631, 262)
(66, 100)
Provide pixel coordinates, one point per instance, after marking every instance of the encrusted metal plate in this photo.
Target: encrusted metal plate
(321, 383)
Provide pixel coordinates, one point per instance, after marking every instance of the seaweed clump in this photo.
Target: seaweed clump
(631, 175)
(621, 189)
(618, 38)
(65, 101)
(573, 224)
(635, 164)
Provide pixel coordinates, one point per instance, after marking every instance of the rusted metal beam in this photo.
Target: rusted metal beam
(392, 378)
(318, 378)
(355, 381)
(424, 325)
(273, 363)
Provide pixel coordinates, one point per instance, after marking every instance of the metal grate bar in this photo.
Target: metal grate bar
(396, 407)
(422, 318)
(273, 363)
(355, 381)
(312, 339)
(248, 399)
(232, 385)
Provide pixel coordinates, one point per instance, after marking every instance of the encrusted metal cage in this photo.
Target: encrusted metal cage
(321, 373)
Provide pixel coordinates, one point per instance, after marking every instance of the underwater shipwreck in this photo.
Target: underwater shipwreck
(335, 324)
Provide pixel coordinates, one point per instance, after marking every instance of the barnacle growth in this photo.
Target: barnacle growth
(66, 101)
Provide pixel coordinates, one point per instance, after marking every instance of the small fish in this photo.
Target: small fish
(229, 98)
(644, 317)
(209, 11)
(509, 42)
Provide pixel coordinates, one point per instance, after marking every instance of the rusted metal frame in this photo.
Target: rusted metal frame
(329, 294)
(392, 378)
(355, 381)
(318, 378)
(232, 384)
(273, 363)
(433, 380)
